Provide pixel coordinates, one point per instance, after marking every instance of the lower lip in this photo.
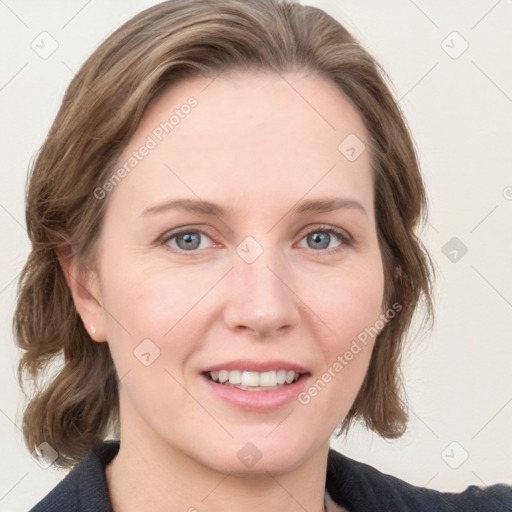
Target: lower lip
(257, 400)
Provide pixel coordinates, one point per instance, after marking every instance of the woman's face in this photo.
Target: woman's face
(255, 288)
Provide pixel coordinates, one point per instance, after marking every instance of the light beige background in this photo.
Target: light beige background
(458, 102)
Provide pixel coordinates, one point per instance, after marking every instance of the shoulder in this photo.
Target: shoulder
(84, 488)
(361, 487)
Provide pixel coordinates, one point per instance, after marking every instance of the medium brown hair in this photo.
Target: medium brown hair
(79, 405)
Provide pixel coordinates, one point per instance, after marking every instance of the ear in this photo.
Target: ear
(83, 283)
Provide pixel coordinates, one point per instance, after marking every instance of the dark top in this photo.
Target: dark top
(351, 484)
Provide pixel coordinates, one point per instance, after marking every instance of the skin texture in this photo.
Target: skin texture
(256, 143)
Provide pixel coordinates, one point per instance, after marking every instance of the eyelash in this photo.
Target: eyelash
(346, 240)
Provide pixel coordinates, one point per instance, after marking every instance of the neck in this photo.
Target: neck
(148, 474)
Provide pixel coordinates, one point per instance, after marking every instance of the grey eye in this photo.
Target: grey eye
(319, 239)
(186, 240)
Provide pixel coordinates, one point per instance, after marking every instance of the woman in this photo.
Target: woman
(222, 220)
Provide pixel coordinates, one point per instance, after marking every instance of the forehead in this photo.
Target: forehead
(251, 132)
(283, 107)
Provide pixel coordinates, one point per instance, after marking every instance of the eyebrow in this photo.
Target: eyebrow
(201, 207)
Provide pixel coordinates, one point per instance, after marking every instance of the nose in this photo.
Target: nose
(261, 299)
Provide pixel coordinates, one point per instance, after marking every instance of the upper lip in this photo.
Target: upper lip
(256, 366)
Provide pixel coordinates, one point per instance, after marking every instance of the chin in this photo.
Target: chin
(244, 457)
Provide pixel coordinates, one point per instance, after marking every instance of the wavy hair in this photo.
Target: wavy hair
(78, 405)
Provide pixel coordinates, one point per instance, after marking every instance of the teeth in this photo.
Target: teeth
(235, 377)
(290, 376)
(247, 380)
(250, 379)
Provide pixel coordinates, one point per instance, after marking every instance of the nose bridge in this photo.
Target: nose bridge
(261, 299)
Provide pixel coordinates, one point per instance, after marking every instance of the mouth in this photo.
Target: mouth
(254, 381)
(256, 385)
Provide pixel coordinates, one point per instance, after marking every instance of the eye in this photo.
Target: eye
(321, 238)
(185, 240)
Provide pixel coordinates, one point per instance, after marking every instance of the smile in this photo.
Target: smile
(254, 381)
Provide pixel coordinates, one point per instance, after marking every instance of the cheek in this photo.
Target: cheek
(144, 303)
(137, 296)
(351, 307)
(350, 301)
(151, 331)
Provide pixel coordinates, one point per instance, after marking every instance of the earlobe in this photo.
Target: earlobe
(82, 281)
